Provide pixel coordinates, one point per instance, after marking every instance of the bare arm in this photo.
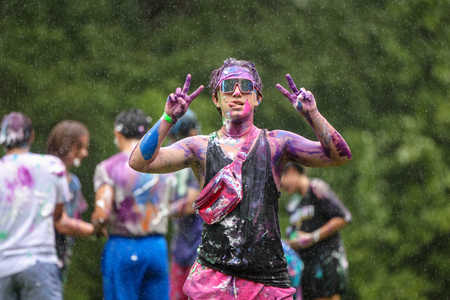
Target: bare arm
(59, 209)
(304, 240)
(72, 226)
(103, 206)
(330, 150)
(148, 155)
(183, 207)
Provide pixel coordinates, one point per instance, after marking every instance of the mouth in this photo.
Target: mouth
(236, 103)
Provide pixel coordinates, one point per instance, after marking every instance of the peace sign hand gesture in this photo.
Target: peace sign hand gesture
(178, 103)
(302, 100)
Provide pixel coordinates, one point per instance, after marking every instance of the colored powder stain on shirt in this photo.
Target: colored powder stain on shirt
(319, 273)
(3, 235)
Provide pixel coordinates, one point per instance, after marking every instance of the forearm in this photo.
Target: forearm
(304, 240)
(74, 227)
(330, 228)
(148, 147)
(333, 144)
(181, 208)
(184, 207)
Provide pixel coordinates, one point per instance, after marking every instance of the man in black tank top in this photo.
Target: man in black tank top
(241, 256)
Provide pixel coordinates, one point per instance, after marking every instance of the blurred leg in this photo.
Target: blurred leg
(40, 282)
(7, 289)
(178, 275)
(155, 281)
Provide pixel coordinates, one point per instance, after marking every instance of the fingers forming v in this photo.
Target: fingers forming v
(187, 84)
(195, 93)
(291, 83)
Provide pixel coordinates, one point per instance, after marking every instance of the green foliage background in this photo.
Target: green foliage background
(379, 71)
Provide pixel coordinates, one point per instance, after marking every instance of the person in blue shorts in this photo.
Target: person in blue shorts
(134, 208)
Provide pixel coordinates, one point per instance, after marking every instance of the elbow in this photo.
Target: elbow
(341, 160)
(343, 151)
(135, 165)
(132, 164)
(134, 160)
(60, 227)
(344, 156)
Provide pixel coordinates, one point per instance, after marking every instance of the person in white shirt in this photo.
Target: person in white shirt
(33, 188)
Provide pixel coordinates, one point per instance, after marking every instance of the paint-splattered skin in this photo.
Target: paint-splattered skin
(237, 114)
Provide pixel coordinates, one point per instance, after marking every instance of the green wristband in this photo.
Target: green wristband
(168, 118)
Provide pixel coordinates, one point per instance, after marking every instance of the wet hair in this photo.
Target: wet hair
(133, 123)
(229, 62)
(16, 130)
(298, 168)
(63, 136)
(181, 129)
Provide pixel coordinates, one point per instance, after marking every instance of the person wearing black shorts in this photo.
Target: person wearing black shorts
(316, 215)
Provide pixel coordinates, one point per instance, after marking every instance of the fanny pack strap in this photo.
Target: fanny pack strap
(242, 154)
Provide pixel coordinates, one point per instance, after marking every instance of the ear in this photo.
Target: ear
(31, 139)
(258, 98)
(215, 100)
(118, 135)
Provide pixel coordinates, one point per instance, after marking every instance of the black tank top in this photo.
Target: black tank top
(247, 242)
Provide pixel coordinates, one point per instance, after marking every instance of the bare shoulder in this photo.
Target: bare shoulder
(197, 142)
(281, 134)
(195, 145)
(279, 138)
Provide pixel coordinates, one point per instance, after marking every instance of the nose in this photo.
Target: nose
(237, 90)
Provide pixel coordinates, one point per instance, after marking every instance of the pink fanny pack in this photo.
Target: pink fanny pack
(221, 195)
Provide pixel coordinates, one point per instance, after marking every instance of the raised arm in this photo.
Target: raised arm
(331, 150)
(148, 156)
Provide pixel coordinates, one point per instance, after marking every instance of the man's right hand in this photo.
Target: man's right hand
(178, 103)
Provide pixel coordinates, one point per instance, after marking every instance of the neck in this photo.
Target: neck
(303, 185)
(237, 128)
(127, 145)
(18, 150)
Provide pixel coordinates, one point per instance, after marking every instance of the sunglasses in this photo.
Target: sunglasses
(245, 85)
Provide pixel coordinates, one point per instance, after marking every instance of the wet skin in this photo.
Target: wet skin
(237, 115)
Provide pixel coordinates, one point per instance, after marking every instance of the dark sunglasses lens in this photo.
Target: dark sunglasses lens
(227, 85)
(246, 86)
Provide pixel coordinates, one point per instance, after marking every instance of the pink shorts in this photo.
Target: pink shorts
(205, 283)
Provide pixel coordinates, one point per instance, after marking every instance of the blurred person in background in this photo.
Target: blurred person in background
(134, 209)
(187, 224)
(69, 141)
(317, 215)
(241, 254)
(33, 189)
